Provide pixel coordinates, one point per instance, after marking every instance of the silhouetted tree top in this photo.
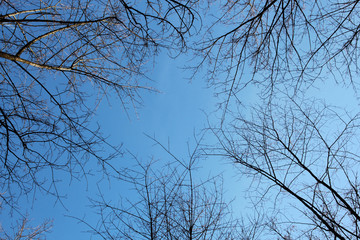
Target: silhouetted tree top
(170, 199)
(58, 59)
(303, 161)
(278, 44)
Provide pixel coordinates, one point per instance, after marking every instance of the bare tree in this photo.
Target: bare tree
(280, 44)
(170, 202)
(25, 232)
(303, 159)
(58, 59)
(301, 156)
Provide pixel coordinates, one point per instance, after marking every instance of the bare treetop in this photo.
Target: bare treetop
(281, 44)
(303, 158)
(58, 59)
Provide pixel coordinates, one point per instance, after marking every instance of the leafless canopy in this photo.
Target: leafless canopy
(281, 44)
(170, 202)
(304, 157)
(54, 55)
(26, 232)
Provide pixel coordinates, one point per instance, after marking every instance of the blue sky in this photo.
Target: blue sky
(173, 116)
